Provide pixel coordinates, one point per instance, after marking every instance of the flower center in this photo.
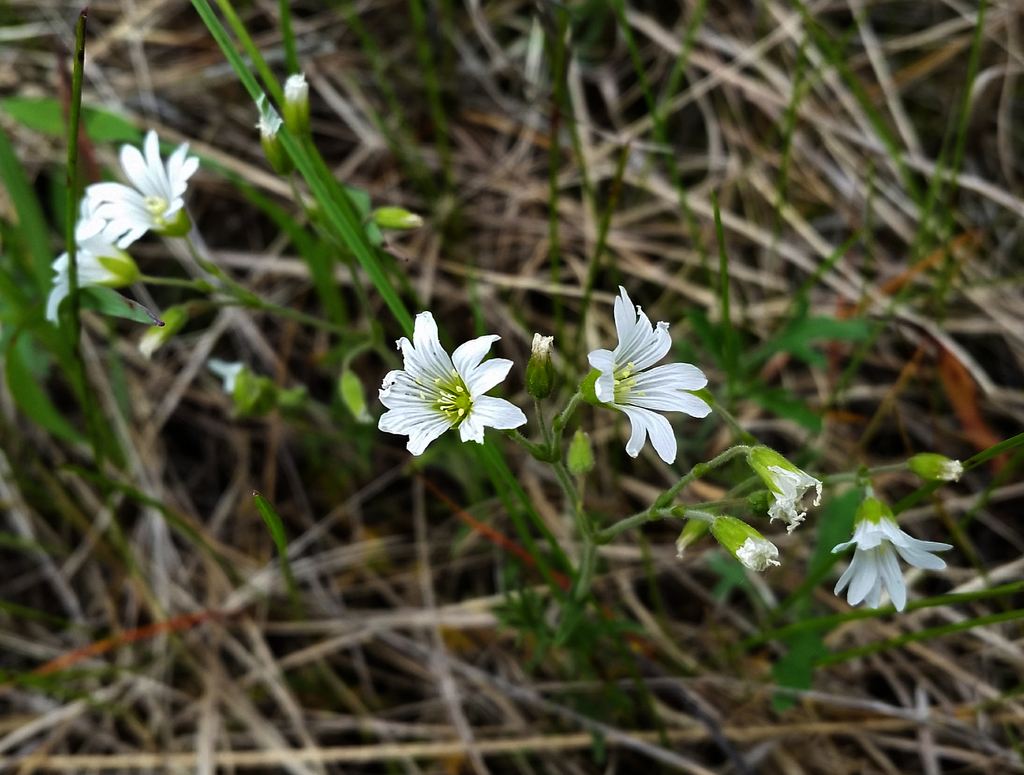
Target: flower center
(624, 382)
(157, 206)
(454, 400)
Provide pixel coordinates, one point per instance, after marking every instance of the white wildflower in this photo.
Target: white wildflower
(787, 484)
(626, 381)
(878, 539)
(435, 392)
(155, 198)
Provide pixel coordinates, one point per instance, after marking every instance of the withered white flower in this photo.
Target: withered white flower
(435, 392)
(787, 484)
(627, 382)
(878, 539)
(155, 198)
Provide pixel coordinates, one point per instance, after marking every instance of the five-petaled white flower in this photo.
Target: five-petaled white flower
(877, 539)
(155, 198)
(97, 259)
(434, 392)
(787, 484)
(626, 381)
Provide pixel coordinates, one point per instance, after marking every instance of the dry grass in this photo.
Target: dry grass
(400, 662)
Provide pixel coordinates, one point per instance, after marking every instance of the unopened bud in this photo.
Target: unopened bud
(694, 530)
(540, 372)
(395, 218)
(179, 227)
(581, 455)
(296, 105)
(758, 503)
(254, 396)
(744, 543)
(936, 468)
(174, 318)
(352, 394)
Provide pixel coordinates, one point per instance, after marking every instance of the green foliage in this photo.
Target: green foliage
(44, 114)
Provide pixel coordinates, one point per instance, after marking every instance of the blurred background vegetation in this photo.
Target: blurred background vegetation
(372, 612)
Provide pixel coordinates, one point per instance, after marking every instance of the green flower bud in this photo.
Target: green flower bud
(744, 543)
(296, 105)
(540, 372)
(121, 266)
(581, 455)
(694, 530)
(254, 396)
(589, 391)
(935, 468)
(874, 511)
(350, 389)
(269, 125)
(179, 227)
(292, 398)
(395, 218)
(174, 318)
(759, 503)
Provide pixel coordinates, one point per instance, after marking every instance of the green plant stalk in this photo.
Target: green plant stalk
(731, 354)
(291, 56)
(89, 409)
(602, 241)
(946, 277)
(545, 431)
(558, 75)
(337, 209)
(660, 506)
(658, 115)
(426, 61)
(829, 622)
(914, 637)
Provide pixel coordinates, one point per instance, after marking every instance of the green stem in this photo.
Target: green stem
(853, 476)
(659, 508)
(562, 419)
(536, 450)
(74, 121)
(545, 431)
(176, 282)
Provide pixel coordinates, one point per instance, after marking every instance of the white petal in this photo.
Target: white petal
(892, 577)
(467, 356)
(645, 422)
(921, 559)
(874, 596)
(134, 166)
(680, 376)
(604, 362)
(425, 358)
(497, 413)
(865, 576)
(424, 434)
(58, 293)
(844, 579)
(486, 376)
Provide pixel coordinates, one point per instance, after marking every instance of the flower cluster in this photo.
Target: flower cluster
(114, 215)
(435, 392)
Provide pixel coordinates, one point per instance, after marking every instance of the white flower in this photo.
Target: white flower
(434, 392)
(270, 122)
(542, 346)
(155, 198)
(878, 539)
(296, 89)
(787, 484)
(742, 541)
(758, 554)
(97, 260)
(627, 382)
(227, 371)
